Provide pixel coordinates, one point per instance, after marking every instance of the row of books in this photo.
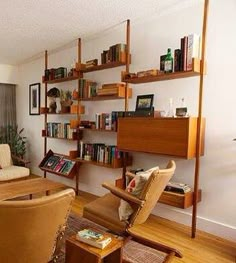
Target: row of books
(87, 88)
(177, 188)
(94, 237)
(115, 53)
(59, 130)
(103, 121)
(108, 121)
(99, 152)
(59, 164)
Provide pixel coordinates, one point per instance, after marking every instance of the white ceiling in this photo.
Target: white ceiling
(28, 27)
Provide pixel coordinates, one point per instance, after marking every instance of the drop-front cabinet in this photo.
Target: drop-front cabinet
(167, 136)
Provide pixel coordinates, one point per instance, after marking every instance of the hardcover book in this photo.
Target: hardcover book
(93, 238)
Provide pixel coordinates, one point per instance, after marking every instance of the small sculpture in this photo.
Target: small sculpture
(52, 95)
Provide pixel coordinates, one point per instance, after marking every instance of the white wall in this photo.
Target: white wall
(9, 74)
(149, 40)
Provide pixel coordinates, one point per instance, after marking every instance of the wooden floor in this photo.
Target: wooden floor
(205, 248)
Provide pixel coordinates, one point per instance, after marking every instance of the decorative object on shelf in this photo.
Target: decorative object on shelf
(52, 94)
(66, 100)
(91, 63)
(168, 64)
(144, 102)
(146, 73)
(170, 113)
(182, 110)
(34, 99)
(75, 94)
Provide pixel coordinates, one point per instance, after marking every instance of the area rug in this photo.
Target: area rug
(133, 251)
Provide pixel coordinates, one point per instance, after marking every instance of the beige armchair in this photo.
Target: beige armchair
(8, 171)
(104, 210)
(30, 229)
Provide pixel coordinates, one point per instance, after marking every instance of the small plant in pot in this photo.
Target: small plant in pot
(66, 100)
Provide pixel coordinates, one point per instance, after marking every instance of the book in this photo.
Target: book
(93, 238)
(193, 49)
(177, 187)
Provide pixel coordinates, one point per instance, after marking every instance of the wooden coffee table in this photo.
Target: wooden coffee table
(28, 187)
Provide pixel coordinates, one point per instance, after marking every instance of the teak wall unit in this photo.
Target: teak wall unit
(124, 94)
(174, 137)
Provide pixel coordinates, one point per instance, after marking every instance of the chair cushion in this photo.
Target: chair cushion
(13, 172)
(5, 155)
(134, 187)
(104, 211)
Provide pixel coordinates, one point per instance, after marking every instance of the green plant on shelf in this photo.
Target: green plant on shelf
(66, 97)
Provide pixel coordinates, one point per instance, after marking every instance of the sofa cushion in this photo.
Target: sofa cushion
(5, 155)
(135, 187)
(13, 172)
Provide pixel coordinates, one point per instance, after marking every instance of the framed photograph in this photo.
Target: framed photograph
(144, 102)
(34, 99)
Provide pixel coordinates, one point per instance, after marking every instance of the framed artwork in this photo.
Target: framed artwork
(144, 102)
(34, 99)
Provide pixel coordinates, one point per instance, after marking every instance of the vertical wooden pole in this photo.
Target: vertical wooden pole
(199, 123)
(45, 103)
(125, 154)
(127, 62)
(78, 116)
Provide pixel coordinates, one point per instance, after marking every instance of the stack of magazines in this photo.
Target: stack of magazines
(177, 188)
(93, 238)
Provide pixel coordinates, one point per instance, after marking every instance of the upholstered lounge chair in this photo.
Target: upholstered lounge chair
(104, 210)
(8, 171)
(30, 229)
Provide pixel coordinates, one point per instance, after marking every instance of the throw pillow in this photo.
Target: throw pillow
(135, 188)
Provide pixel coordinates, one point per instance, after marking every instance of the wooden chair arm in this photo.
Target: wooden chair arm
(19, 159)
(153, 244)
(123, 194)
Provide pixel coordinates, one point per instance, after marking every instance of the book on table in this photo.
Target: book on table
(94, 238)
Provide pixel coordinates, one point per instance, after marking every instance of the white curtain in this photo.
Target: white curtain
(7, 105)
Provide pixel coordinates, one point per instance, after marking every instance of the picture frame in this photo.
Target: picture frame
(144, 102)
(34, 99)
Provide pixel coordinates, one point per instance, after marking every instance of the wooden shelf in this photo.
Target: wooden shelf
(120, 95)
(167, 76)
(117, 163)
(103, 66)
(66, 113)
(167, 136)
(96, 130)
(179, 200)
(50, 137)
(62, 79)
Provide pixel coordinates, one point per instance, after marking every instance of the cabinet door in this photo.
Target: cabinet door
(167, 136)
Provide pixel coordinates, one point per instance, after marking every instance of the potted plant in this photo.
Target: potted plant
(66, 100)
(14, 137)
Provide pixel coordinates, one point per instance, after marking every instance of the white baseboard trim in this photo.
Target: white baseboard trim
(204, 224)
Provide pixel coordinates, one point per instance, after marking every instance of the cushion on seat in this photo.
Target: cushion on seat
(5, 155)
(135, 187)
(13, 172)
(104, 211)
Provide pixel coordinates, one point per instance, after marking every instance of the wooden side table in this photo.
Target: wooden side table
(77, 251)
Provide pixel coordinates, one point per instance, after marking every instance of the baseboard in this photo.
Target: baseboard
(204, 224)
